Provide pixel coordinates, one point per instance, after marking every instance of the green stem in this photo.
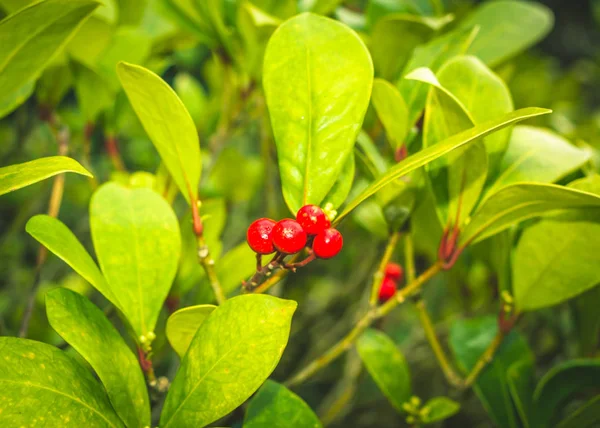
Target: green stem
(484, 360)
(208, 264)
(380, 273)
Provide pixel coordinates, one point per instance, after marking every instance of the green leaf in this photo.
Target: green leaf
(317, 80)
(41, 383)
(431, 55)
(521, 24)
(54, 235)
(323, 7)
(439, 408)
(236, 265)
(94, 93)
(468, 340)
(539, 155)
(238, 347)
(342, 187)
(137, 241)
(9, 102)
(395, 36)
(518, 202)
(521, 383)
(194, 97)
(183, 324)
(33, 36)
(587, 320)
(386, 365)
(88, 331)
(14, 177)
(392, 111)
(561, 383)
(587, 416)
(167, 123)
(429, 154)
(555, 261)
(276, 406)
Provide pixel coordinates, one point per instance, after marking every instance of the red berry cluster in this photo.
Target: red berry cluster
(288, 236)
(393, 275)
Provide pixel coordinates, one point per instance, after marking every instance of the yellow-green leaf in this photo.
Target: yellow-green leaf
(183, 324)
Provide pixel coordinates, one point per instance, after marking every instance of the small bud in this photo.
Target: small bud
(415, 401)
(410, 420)
(143, 339)
(407, 407)
(150, 336)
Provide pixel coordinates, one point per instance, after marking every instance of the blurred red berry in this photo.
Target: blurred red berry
(327, 243)
(394, 271)
(312, 219)
(258, 236)
(387, 289)
(288, 236)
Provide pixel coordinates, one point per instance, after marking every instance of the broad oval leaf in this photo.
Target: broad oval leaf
(183, 324)
(392, 111)
(54, 235)
(518, 202)
(468, 340)
(31, 37)
(137, 241)
(167, 123)
(386, 365)
(429, 154)
(276, 406)
(561, 383)
(34, 374)
(521, 24)
(555, 261)
(85, 327)
(232, 354)
(317, 77)
(438, 409)
(14, 177)
(539, 155)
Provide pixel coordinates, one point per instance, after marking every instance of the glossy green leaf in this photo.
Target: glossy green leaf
(137, 241)
(31, 37)
(521, 383)
(232, 354)
(439, 408)
(9, 102)
(587, 416)
(183, 324)
(560, 384)
(521, 24)
(429, 154)
(468, 340)
(14, 177)
(34, 375)
(317, 80)
(431, 55)
(386, 365)
(522, 201)
(539, 155)
(57, 237)
(395, 36)
(167, 123)
(555, 261)
(85, 327)
(276, 406)
(392, 111)
(94, 93)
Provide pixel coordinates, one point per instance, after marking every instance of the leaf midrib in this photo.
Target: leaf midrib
(309, 130)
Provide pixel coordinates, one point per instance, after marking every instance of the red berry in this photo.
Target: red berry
(394, 271)
(258, 236)
(288, 236)
(312, 219)
(387, 289)
(327, 243)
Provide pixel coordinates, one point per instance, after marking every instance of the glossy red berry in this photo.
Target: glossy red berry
(387, 289)
(327, 243)
(288, 236)
(258, 236)
(394, 271)
(312, 219)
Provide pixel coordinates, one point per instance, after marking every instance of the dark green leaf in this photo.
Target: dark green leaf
(14, 177)
(275, 406)
(587, 416)
(521, 383)
(88, 331)
(232, 354)
(317, 79)
(386, 365)
(183, 324)
(40, 383)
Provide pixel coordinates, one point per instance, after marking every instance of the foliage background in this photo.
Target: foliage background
(561, 73)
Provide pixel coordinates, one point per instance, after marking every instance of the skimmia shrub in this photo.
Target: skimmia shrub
(358, 214)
